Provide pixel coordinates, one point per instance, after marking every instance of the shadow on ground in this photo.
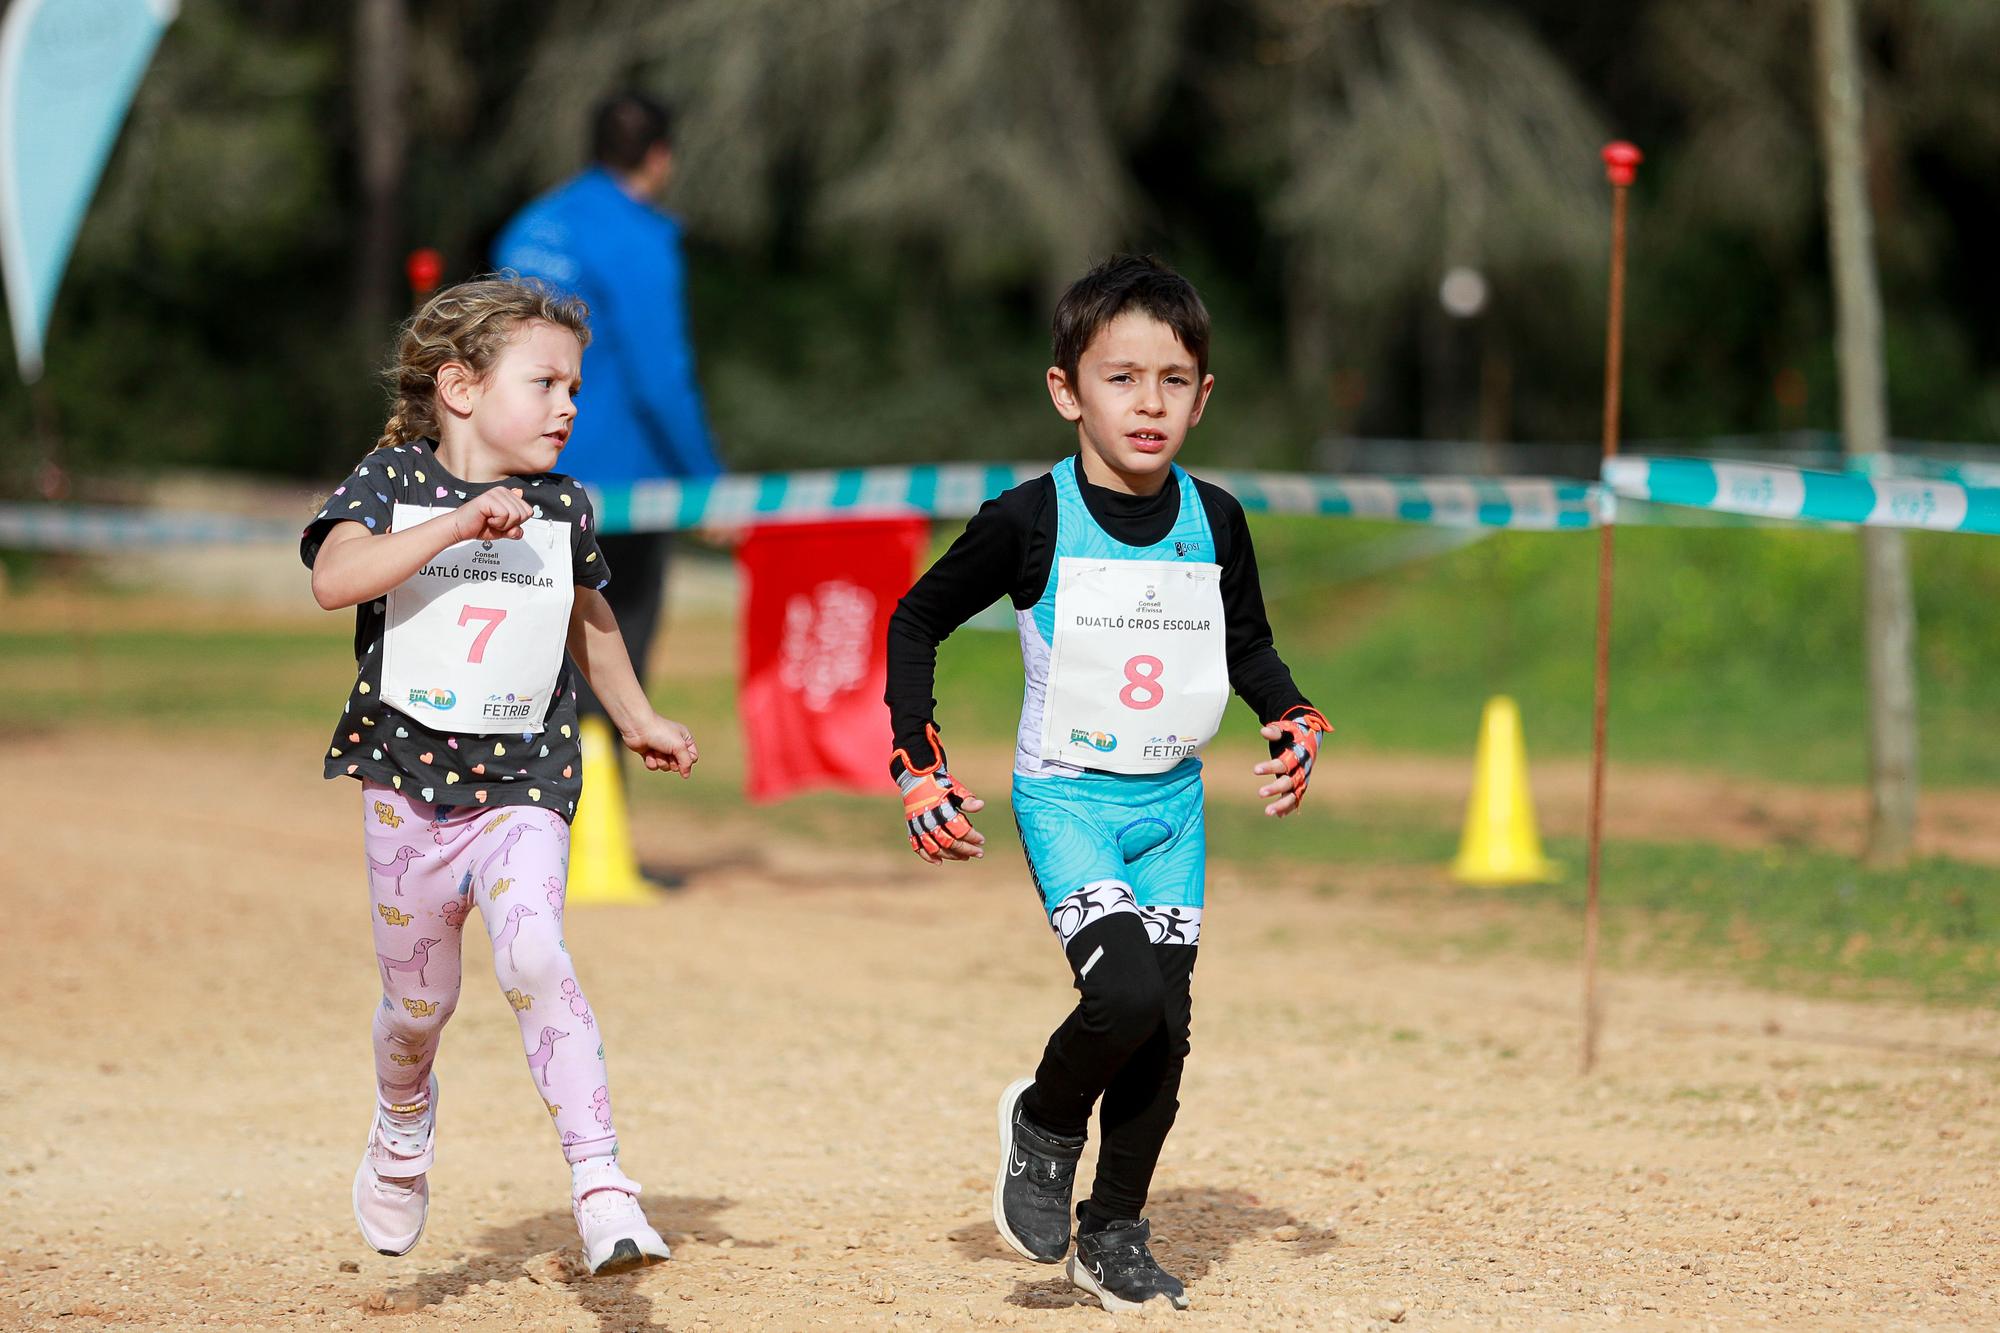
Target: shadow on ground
(1193, 1231)
(544, 1248)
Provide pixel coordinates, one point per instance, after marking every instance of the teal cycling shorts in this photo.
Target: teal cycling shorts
(1100, 843)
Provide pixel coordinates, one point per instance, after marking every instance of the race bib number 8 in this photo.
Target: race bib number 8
(476, 637)
(1143, 673)
(1138, 672)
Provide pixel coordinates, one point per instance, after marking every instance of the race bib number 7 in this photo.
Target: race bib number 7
(476, 637)
(492, 615)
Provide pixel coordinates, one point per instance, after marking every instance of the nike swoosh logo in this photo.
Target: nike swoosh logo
(1017, 1166)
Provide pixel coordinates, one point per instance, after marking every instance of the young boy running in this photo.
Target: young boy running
(1135, 590)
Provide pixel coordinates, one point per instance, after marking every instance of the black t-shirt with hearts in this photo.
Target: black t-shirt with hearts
(377, 742)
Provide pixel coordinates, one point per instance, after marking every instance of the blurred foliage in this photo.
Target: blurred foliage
(883, 196)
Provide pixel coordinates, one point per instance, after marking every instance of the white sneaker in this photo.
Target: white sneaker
(391, 1196)
(605, 1203)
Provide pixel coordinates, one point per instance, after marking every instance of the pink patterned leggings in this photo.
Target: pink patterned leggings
(428, 865)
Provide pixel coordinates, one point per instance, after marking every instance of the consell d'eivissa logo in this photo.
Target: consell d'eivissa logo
(440, 699)
(1102, 741)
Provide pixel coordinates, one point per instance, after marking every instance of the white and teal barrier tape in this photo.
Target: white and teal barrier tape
(1671, 490)
(54, 527)
(933, 491)
(939, 491)
(1525, 503)
(957, 491)
(1773, 491)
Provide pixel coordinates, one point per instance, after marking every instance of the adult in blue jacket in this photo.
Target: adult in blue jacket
(600, 236)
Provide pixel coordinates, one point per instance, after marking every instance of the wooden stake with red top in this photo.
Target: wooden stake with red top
(1621, 165)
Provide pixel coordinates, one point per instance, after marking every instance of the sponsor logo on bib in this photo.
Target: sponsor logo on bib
(439, 699)
(1102, 741)
(1170, 747)
(508, 706)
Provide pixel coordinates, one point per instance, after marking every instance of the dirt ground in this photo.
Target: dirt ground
(805, 1050)
(1660, 803)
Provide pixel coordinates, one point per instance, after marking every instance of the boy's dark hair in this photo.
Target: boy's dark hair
(1129, 282)
(625, 128)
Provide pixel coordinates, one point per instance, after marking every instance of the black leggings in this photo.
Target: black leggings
(1125, 1041)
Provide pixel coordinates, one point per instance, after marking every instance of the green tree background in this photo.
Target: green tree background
(882, 197)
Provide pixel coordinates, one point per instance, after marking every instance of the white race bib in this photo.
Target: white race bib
(1138, 670)
(476, 637)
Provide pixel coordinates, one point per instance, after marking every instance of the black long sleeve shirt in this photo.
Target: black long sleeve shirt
(1008, 550)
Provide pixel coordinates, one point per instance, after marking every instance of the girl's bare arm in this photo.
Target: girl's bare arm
(355, 564)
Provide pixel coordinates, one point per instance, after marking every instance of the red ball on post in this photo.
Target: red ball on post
(1621, 161)
(425, 269)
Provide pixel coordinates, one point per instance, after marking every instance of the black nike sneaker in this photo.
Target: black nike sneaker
(1037, 1175)
(1115, 1266)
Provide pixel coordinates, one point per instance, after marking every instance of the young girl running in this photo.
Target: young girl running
(475, 575)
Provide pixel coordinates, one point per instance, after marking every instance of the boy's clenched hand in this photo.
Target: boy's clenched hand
(935, 806)
(1298, 731)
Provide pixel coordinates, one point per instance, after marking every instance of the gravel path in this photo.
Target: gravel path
(805, 1048)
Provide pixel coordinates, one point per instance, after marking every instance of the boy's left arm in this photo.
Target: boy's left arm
(1256, 672)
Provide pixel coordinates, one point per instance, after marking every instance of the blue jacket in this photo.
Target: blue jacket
(640, 414)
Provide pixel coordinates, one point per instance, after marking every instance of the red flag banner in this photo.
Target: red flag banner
(817, 598)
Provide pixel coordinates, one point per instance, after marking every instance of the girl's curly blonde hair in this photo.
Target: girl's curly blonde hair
(470, 324)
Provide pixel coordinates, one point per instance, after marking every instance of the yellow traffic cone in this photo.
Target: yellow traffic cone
(602, 867)
(1500, 845)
